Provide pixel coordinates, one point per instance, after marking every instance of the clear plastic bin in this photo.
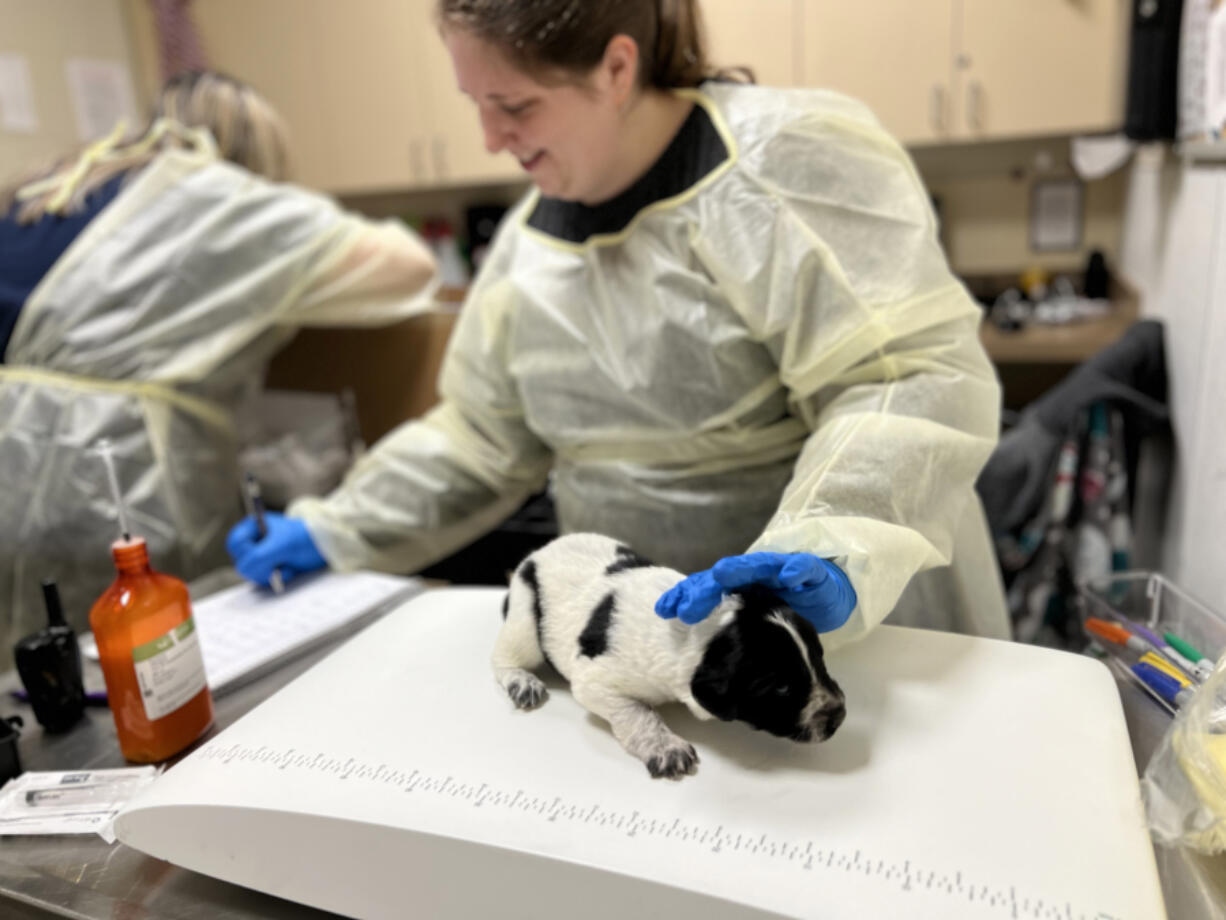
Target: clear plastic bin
(1193, 884)
(1154, 602)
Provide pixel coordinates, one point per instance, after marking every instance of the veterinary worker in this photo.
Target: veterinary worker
(721, 324)
(144, 284)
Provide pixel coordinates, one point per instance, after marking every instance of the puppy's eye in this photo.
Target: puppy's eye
(783, 691)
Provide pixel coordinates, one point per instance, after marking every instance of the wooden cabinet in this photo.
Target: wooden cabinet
(765, 36)
(964, 70)
(1041, 66)
(371, 96)
(368, 91)
(364, 361)
(455, 148)
(895, 57)
(286, 59)
(365, 86)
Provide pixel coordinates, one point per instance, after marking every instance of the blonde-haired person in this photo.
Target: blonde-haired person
(722, 324)
(145, 281)
(244, 127)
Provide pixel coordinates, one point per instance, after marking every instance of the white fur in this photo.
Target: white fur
(649, 660)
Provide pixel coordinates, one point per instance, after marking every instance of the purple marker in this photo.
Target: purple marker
(92, 697)
(1143, 633)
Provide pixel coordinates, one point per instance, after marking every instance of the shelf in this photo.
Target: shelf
(1203, 151)
(1067, 344)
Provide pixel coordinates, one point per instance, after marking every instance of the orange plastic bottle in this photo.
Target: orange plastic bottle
(150, 656)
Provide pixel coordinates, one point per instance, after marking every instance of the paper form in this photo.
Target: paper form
(245, 629)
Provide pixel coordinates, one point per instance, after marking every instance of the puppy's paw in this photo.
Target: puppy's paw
(526, 690)
(672, 759)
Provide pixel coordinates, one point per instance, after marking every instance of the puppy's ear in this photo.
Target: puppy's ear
(712, 683)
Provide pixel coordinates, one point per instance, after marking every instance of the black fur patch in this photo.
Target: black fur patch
(594, 640)
(506, 604)
(753, 671)
(627, 559)
(527, 572)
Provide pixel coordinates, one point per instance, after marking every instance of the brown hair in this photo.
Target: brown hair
(572, 35)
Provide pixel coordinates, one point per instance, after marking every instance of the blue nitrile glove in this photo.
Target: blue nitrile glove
(815, 588)
(287, 546)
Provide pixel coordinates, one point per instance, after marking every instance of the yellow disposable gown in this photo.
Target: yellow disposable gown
(759, 346)
(147, 332)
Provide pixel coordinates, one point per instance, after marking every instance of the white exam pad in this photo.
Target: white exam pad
(973, 778)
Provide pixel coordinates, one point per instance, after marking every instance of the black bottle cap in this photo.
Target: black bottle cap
(49, 662)
(51, 597)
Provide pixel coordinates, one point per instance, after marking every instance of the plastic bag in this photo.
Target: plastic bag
(1184, 785)
(297, 443)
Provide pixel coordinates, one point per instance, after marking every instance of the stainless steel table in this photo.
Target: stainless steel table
(83, 877)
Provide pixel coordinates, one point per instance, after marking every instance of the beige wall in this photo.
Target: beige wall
(985, 192)
(47, 33)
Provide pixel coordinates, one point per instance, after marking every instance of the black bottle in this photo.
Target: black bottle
(10, 757)
(49, 663)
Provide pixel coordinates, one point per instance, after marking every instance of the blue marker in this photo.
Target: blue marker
(1167, 687)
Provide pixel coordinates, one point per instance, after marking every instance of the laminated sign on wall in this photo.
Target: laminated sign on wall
(101, 92)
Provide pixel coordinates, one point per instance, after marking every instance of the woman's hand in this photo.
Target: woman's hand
(287, 547)
(815, 588)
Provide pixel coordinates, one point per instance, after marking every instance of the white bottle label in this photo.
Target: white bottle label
(169, 670)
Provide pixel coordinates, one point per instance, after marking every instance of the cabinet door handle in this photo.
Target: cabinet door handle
(417, 165)
(439, 149)
(974, 105)
(936, 108)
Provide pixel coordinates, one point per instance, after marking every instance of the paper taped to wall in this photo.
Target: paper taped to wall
(17, 110)
(102, 96)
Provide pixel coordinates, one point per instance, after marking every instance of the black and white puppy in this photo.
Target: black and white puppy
(585, 604)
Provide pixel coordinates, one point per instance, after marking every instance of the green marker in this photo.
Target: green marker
(1202, 665)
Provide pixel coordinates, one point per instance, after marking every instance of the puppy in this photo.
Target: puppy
(585, 604)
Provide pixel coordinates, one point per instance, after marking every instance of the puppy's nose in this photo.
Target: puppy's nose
(834, 718)
(822, 724)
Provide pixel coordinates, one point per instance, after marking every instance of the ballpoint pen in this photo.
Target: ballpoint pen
(255, 507)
